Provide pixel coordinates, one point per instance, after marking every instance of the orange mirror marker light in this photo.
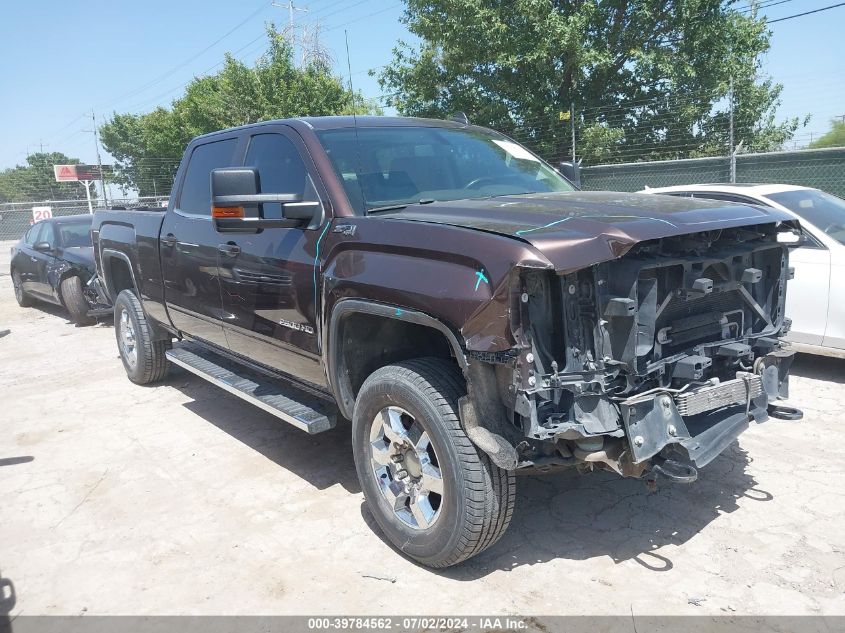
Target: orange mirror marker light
(227, 212)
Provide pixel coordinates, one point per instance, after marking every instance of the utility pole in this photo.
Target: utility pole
(572, 123)
(731, 134)
(292, 9)
(99, 162)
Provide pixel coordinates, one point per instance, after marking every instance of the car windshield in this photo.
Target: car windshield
(820, 209)
(390, 166)
(75, 233)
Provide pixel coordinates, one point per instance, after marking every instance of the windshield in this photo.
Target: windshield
(75, 234)
(820, 209)
(388, 166)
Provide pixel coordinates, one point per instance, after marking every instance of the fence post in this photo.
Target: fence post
(732, 147)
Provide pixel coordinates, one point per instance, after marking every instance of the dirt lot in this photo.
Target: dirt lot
(180, 498)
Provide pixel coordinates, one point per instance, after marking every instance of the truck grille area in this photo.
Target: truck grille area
(693, 307)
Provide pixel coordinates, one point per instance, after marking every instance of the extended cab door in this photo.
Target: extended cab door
(188, 246)
(268, 278)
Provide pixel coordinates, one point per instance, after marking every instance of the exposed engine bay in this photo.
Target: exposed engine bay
(654, 361)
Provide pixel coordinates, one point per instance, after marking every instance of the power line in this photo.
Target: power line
(798, 15)
(264, 5)
(764, 5)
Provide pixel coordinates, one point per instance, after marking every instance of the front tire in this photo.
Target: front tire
(75, 302)
(434, 494)
(143, 358)
(23, 299)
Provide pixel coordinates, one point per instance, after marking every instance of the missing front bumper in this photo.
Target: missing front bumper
(699, 424)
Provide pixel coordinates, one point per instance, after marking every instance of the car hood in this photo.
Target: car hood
(581, 228)
(79, 255)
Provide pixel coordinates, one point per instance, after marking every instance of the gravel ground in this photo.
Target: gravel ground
(181, 499)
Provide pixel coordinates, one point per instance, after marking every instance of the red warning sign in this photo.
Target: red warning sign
(65, 173)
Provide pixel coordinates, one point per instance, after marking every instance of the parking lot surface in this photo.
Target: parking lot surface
(182, 499)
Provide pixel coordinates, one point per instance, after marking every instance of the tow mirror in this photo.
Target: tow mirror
(42, 247)
(237, 203)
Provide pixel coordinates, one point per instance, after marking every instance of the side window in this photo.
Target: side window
(31, 234)
(196, 189)
(36, 234)
(48, 234)
(280, 169)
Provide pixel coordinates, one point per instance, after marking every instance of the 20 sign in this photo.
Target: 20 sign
(41, 213)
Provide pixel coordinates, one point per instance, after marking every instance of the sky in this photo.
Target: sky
(61, 60)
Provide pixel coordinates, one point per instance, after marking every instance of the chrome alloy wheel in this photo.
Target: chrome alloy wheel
(406, 467)
(128, 344)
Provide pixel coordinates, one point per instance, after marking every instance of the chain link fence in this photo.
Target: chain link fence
(16, 217)
(820, 168)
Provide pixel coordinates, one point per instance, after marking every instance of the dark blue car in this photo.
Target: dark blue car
(54, 262)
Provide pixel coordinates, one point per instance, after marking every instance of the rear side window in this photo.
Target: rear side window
(280, 169)
(196, 189)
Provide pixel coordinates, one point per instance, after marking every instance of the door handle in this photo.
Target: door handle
(229, 249)
(35, 259)
(169, 240)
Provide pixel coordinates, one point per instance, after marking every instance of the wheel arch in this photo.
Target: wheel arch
(68, 272)
(401, 333)
(117, 273)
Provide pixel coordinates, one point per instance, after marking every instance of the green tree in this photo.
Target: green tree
(835, 137)
(36, 181)
(148, 147)
(649, 78)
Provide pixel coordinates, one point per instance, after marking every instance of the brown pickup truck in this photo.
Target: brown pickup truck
(460, 302)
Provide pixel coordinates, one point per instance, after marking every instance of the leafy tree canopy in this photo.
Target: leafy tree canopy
(148, 147)
(36, 181)
(648, 78)
(835, 137)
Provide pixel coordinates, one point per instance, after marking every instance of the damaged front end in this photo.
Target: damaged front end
(651, 363)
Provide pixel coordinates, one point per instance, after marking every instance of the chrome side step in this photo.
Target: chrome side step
(286, 402)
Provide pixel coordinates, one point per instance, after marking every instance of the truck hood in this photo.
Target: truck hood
(581, 228)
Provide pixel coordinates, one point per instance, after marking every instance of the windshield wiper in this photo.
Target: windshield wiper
(398, 207)
(389, 207)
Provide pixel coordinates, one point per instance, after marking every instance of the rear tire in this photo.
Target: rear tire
(143, 358)
(75, 302)
(398, 409)
(23, 299)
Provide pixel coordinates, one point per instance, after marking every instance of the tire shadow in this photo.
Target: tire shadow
(60, 312)
(579, 517)
(322, 460)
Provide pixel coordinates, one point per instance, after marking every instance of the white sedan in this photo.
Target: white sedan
(815, 300)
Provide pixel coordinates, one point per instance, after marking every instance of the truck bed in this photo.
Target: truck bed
(130, 237)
